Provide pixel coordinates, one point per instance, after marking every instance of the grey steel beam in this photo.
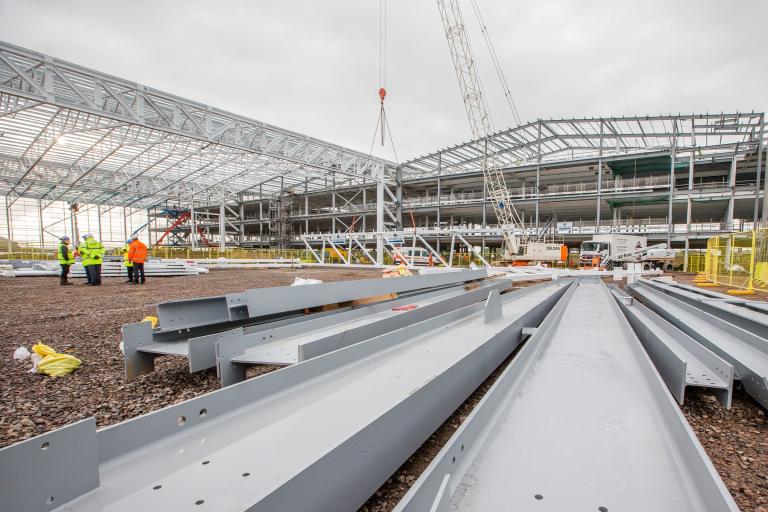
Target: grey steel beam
(278, 341)
(142, 344)
(300, 342)
(746, 352)
(701, 291)
(680, 360)
(183, 314)
(319, 435)
(753, 321)
(579, 420)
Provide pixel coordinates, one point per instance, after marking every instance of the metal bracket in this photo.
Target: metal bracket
(228, 345)
(137, 363)
(493, 309)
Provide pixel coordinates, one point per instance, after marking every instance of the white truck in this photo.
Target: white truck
(614, 250)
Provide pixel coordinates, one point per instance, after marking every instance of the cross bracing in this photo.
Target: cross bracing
(73, 134)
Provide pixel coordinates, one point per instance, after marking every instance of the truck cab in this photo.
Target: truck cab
(591, 249)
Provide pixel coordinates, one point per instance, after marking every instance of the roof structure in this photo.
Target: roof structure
(567, 140)
(73, 134)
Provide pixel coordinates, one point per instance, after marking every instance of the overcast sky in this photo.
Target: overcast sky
(313, 66)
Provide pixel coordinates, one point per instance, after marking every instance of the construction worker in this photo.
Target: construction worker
(128, 263)
(92, 253)
(137, 254)
(66, 258)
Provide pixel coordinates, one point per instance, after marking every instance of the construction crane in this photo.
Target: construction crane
(515, 250)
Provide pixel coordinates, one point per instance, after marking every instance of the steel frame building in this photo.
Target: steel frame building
(71, 134)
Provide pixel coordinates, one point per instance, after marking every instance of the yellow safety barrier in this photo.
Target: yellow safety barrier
(738, 260)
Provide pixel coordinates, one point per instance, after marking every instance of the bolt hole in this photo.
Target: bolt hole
(156, 487)
(538, 496)
(203, 413)
(602, 509)
(462, 447)
(206, 462)
(199, 502)
(45, 445)
(246, 474)
(453, 460)
(181, 420)
(49, 500)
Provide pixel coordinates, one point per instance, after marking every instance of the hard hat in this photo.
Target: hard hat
(87, 235)
(128, 241)
(134, 236)
(65, 238)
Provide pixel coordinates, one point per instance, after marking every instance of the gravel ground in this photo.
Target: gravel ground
(86, 322)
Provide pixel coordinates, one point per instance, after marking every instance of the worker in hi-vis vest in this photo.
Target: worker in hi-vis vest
(127, 262)
(137, 254)
(66, 257)
(92, 253)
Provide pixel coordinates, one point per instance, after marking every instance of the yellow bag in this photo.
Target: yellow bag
(152, 319)
(58, 365)
(53, 363)
(43, 350)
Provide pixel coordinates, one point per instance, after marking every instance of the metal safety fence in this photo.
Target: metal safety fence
(739, 260)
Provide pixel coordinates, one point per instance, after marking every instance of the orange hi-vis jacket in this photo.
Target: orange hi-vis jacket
(137, 251)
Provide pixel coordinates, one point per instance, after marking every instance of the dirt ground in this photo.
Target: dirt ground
(85, 322)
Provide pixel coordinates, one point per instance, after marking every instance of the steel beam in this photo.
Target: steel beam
(142, 344)
(580, 420)
(753, 321)
(320, 435)
(183, 314)
(746, 352)
(680, 360)
(299, 342)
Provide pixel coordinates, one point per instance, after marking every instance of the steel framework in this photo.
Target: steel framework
(73, 134)
(569, 140)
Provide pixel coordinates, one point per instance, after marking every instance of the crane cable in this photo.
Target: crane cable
(496, 63)
(382, 123)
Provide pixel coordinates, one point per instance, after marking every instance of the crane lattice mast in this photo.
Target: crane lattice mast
(480, 124)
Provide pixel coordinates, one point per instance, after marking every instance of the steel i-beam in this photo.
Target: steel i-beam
(579, 420)
(681, 360)
(753, 321)
(323, 434)
(299, 342)
(202, 319)
(746, 352)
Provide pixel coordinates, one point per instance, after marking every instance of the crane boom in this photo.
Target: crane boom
(481, 125)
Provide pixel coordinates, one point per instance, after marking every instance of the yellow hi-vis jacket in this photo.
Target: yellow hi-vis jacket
(91, 251)
(70, 255)
(126, 261)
